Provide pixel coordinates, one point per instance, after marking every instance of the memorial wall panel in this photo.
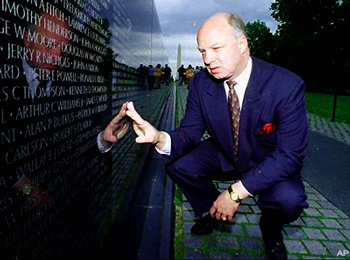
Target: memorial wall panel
(66, 67)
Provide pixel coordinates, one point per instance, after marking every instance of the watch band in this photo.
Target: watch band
(231, 192)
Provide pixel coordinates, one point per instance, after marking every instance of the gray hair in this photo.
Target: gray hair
(237, 24)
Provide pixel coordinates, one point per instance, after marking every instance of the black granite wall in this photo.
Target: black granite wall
(66, 67)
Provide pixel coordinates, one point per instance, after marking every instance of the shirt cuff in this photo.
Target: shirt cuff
(166, 149)
(245, 189)
(100, 145)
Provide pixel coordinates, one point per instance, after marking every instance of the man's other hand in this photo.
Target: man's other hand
(117, 128)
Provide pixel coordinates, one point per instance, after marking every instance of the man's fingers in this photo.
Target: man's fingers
(109, 137)
(140, 140)
(131, 112)
(137, 130)
(120, 115)
(120, 133)
(212, 210)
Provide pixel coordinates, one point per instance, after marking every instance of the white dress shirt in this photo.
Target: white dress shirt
(241, 86)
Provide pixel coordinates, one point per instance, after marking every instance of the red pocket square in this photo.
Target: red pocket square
(267, 128)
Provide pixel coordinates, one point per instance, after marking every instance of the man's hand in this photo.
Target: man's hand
(117, 128)
(224, 207)
(36, 197)
(146, 133)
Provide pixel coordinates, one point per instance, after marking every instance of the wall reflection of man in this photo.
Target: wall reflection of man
(45, 41)
(44, 57)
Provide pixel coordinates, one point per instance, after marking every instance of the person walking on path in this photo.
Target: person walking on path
(167, 72)
(255, 115)
(157, 76)
(182, 74)
(189, 75)
(150, 77)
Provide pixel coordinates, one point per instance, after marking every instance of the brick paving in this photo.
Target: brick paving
(335, 130)
(321, 232)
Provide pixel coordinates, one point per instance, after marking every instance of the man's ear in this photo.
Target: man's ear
(242, 44)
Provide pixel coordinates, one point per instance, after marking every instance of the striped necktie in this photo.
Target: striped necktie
(235, 112)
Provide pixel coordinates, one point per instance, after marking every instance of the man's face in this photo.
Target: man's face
(49, 44)
(223, 55)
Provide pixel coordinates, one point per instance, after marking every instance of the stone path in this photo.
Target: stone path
(335, 130)
(322, 231)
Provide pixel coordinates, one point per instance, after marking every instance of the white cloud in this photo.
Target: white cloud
(180, 20)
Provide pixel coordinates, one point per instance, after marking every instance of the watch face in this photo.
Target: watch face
(234, 196)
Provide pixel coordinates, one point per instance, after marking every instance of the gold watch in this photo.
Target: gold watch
(234, 195)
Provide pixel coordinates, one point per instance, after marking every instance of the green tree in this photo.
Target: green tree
(311, 40)
(343, 53)
(261, 40)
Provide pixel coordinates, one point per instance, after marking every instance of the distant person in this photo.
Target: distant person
(197, 69)
(189, 74)
(150, 77)
(255, 115)
(158, 76)
(182, 74)
(141, 77)
(167, 72)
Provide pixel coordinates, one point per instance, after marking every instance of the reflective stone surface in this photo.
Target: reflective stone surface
(66, 67)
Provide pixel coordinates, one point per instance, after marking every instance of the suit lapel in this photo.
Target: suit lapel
(251, 110)
(218, 115)
(215, 101)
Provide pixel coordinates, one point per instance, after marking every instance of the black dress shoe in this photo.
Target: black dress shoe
(205, 225)
(276, 251)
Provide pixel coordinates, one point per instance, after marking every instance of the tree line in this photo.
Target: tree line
(310, 40)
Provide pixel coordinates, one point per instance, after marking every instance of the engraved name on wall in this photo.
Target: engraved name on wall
(54, 94)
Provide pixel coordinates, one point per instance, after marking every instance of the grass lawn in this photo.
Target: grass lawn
(322, 105)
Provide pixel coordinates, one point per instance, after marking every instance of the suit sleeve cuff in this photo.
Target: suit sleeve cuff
(245, 188)
(100, 145)
(166, 149)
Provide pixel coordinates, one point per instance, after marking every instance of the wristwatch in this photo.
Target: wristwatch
(234, 194)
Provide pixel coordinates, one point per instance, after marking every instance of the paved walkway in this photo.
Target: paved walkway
(322, 231)
(334, 130)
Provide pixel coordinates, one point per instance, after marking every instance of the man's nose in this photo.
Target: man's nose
(208, 57)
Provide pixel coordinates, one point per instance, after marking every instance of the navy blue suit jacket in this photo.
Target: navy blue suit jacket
(273, 95)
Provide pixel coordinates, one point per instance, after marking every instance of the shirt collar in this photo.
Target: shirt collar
(243, 78)
(242, 82)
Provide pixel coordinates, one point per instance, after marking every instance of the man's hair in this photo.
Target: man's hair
(237, 24)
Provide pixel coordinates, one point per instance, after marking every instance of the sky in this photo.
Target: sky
(180, 20)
